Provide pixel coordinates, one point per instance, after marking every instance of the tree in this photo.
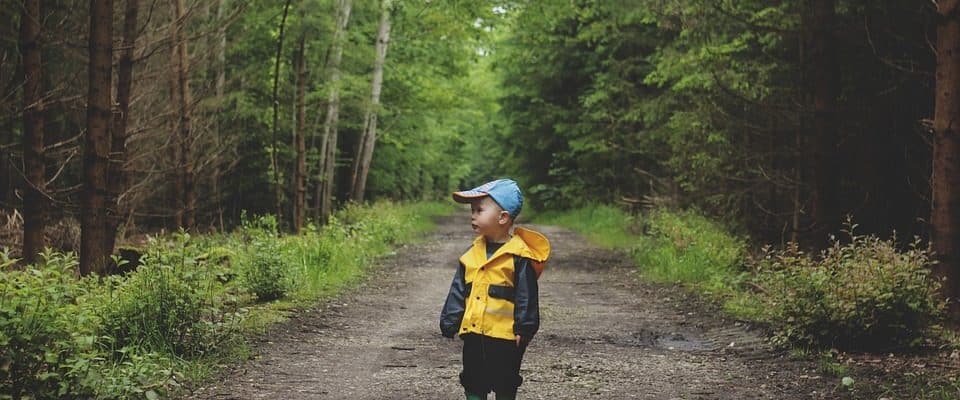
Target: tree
(328, 143)
(96, 152)
(299, 144)
(117, 178)
(221, 78)
(368, 139)
(825, 75)
(34, 201)
(275, 157)
(945, 218)
(184, 187)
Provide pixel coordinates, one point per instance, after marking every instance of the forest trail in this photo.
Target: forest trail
(604, 335)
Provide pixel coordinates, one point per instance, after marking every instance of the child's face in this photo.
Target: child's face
(487, 218)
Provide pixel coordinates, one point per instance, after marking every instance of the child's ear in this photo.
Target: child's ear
(504, 217)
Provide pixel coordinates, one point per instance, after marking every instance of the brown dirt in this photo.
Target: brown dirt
(604, 335)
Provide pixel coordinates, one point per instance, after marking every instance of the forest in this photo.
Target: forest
(137, 126)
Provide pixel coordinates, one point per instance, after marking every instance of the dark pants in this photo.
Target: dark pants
(491, 364)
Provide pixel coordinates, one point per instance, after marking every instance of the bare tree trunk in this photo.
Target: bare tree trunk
(184, 134)
(274, 157)
(300, 169)
(329, 145)
(826, 82)
(175, 147)
(34, 202)
(221, 78)
(96, 152)
(6, 178)
(117, 177)
(945, 216)
(361, 163)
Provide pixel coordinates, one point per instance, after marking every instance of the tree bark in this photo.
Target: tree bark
(826, 82)
(329, 141)
(361, 163)
(34, 200)
(274, 157)
(300, 169)
(118, 179)
(328, 147)
(188, 199)
(221, 68)
(97, 139)
(945, 216)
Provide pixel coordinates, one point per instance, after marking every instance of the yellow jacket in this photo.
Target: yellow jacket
(497, 297)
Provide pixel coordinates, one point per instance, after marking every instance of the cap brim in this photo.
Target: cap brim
(467, 195)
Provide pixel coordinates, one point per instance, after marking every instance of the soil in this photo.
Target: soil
(605, 334)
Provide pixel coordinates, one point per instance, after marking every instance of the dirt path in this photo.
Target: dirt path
(604, 335)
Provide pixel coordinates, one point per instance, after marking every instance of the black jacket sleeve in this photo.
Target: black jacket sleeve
(526, 307)
(453, 308)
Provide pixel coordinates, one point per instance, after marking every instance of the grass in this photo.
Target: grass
(604, 225)
(679, 247)
(876, 284)
(189, 308)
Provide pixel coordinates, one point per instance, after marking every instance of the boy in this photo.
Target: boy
(493, 301)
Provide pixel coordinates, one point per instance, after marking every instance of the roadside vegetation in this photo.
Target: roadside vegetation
(191, 302)
(861, 295)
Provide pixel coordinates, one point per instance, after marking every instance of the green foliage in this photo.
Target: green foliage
(606, 225)
(37, 316)
(157, 309)
(54, 344)
(264, 274)
(687, 247)
(141, 333)
(264, 271)
(862, 295)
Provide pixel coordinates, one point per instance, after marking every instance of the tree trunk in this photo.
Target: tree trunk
(274, 157)
(188, 193)
(6, 178)
(826, 83)
(329, 146)
(945, 216)
(361, 163)
(117, 177)
(221, 68)
(300, 169)
(97, 139)
(34, 201)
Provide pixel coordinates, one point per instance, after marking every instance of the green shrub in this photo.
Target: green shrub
(157, 309)
(265, 272)
(265, 266)
(863, 295)
(133, 335)
(38, 324)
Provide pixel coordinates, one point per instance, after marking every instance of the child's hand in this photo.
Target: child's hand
(521, 339)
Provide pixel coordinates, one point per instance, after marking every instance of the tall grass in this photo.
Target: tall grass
(686, 247)
(187, 307)
(862, 294)
(679, 247)
(604, 225)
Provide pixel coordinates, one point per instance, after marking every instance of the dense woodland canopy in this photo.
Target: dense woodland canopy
(201, 129)
(780, 117)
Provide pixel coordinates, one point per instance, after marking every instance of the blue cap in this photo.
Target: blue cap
(503, 191)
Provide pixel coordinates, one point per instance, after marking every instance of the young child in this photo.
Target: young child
(493, 301)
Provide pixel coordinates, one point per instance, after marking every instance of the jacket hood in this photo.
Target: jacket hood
(524, 243)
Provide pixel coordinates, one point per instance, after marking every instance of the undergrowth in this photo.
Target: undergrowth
(862, 293)
(189, 305)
